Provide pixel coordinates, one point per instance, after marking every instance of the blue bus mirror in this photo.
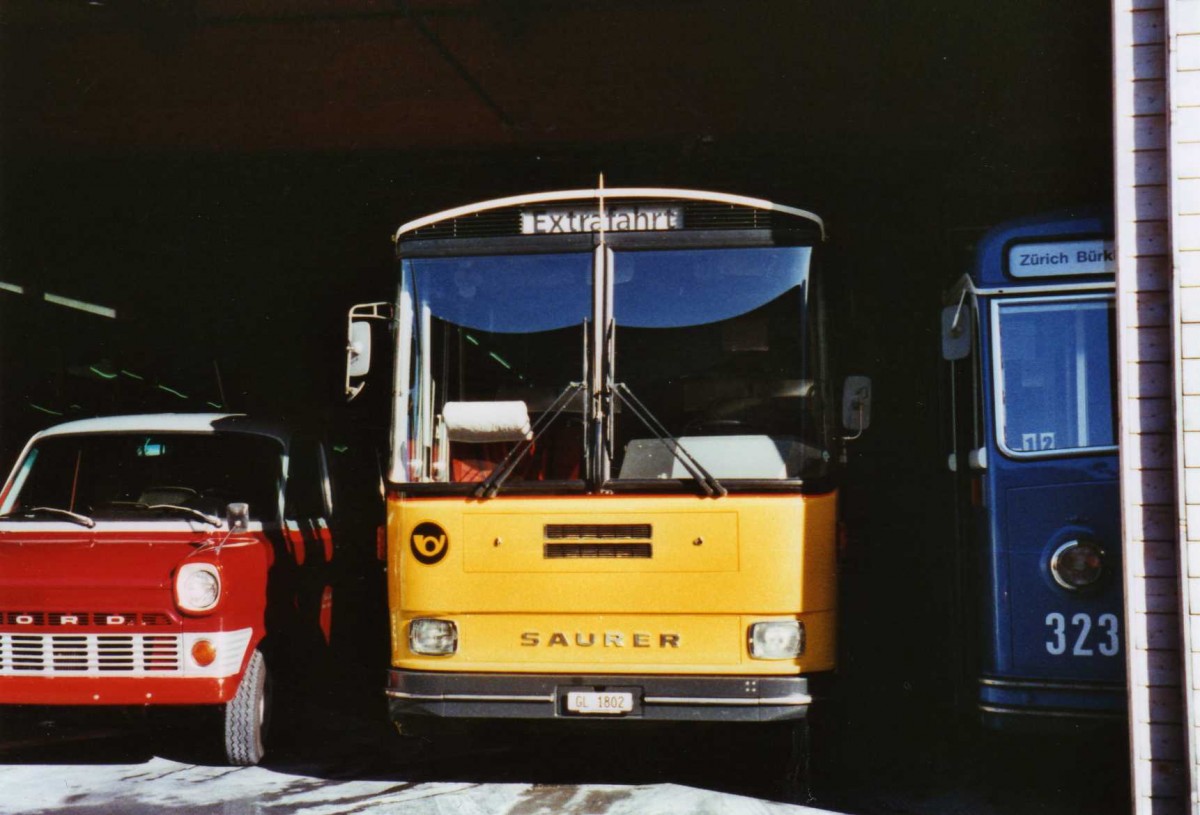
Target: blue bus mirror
(856, 404)
(956, 332)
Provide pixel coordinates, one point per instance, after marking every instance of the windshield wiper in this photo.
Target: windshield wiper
(504, 469)
(195, 513)
(83, 520)
(144, 507)
(707, 481)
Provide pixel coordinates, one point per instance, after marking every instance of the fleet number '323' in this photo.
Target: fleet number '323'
(1081, 637)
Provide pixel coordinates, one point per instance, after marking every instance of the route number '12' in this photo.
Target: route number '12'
(1080, 629)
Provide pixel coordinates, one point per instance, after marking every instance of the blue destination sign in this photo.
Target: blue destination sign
(1062, 258)
(568, 220)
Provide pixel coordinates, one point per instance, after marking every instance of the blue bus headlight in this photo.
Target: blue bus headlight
(777, 640)
(432, 637)
(1077, 564)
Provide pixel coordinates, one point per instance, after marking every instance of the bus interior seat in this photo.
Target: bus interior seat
(477, 439)
(478, 435)
(558, 454)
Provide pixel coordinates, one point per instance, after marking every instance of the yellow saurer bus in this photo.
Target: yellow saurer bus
(611, 491)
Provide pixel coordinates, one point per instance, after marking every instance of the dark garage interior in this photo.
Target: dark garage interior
(223, 179)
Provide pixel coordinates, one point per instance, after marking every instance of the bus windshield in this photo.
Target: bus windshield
(491, 330)
(719, 345)
(716, 343)
(1056, 375)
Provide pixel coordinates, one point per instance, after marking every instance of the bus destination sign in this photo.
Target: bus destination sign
(1062, 258)
(569, 220)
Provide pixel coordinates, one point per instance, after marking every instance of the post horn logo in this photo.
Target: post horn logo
(429, 543)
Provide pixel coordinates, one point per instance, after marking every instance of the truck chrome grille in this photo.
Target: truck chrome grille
(86, 618)
(89, 654)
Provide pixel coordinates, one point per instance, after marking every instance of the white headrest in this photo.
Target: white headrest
(486, 421)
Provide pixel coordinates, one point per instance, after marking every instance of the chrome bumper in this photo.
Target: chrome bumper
(542, 696)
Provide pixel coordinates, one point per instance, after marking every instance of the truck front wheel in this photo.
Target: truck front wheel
(248, 715)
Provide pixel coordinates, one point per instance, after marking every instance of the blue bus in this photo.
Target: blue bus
(1029, 343)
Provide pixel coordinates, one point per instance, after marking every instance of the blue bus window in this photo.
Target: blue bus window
(1055, 375)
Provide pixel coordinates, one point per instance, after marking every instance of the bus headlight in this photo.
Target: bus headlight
(777, 640)
(1077, 564)
(432, 637)
(197, 587)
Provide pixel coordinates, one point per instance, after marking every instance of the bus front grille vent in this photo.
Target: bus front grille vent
(598, 531)
(493, 224)
(552, 551)
(727, 216)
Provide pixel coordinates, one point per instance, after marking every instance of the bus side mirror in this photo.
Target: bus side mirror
(956, 332)
(358, 349)
(358, 342)
(856, 405)
(237, 517)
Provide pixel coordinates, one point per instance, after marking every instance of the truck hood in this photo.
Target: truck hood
(82, 570)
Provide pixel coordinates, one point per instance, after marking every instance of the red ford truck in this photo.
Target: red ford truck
(165, 559)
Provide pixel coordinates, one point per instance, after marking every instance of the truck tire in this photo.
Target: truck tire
(248, 715)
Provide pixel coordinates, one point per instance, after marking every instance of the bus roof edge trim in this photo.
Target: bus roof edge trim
(613, 192)
(965, 283)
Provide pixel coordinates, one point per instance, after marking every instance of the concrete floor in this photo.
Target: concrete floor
(343, 759)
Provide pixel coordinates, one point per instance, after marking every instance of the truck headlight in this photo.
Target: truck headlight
(777, 640)
(432, 637)
(1077, 564)
(197, 587)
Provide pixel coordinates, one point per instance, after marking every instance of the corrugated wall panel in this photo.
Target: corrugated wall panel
(1158, 397)
(1183, 211)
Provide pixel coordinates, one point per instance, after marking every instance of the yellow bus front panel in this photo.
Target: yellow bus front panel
(613, 584)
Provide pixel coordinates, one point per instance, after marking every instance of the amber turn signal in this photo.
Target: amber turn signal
(204, 652)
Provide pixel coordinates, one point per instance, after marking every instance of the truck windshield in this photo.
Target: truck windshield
(124, 476)
(718, 344)
(1055, 375)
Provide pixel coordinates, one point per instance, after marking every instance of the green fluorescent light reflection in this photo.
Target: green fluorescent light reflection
(100, 373)
(44, 410)
(340, 448)
(471, 339)
(12, 287)
(132, 375)
(214, 405)
(172, 391)
(499, 359)
(80, 305)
